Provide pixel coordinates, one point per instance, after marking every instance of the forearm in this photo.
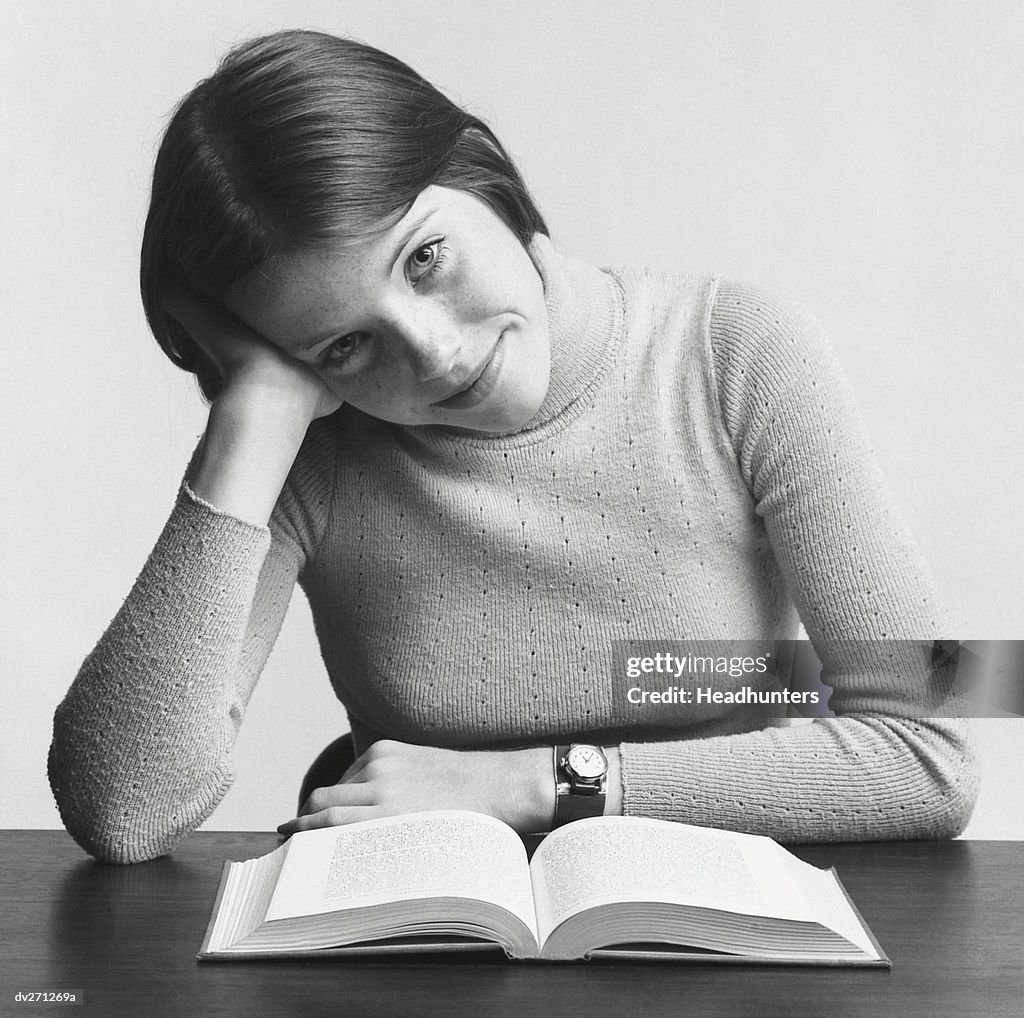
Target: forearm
(836, 779)
(259, 419)
(863, 593)
(142, 740)
(248, 448)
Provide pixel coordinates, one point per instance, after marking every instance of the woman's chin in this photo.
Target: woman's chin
(511, 416)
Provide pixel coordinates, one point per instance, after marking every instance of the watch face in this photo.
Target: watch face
(586, 761)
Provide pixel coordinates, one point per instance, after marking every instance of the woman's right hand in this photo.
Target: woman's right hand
(257, 421)
(251, 367)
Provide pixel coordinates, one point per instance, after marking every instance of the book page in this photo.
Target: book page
(421, 855)
(833, 907)
(625, 859)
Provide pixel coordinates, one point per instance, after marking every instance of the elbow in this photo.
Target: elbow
(945, 775)
(947, 811)
(114, 821)
(116, 842)
(110, 842)
(104, 823)
(954, 806)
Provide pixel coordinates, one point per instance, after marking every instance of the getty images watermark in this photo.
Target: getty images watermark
(901, 678)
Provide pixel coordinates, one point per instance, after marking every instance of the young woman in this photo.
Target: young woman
(485, 461)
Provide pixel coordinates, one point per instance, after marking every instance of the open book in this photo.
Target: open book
(620, 887)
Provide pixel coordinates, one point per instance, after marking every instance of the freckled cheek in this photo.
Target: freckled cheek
(475, 298)
(375, 392)
(345, 387)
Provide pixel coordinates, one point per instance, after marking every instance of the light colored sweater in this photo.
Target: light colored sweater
(697, 471)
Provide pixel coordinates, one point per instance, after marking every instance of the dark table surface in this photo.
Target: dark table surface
(949, 914)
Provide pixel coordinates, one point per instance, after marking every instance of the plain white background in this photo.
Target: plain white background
(865, 157)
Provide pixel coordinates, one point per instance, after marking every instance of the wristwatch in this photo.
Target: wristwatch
(581, 782)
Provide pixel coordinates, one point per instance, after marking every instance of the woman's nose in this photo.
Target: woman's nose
(430, 343)
(432, 356)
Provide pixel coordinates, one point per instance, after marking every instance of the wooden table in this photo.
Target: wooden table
(949, 914)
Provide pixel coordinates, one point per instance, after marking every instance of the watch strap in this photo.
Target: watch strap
(575, 801)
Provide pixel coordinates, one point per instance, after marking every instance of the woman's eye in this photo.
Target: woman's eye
(343, 348)
(425, 259)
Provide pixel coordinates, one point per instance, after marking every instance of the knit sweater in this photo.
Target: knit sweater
(696, 471)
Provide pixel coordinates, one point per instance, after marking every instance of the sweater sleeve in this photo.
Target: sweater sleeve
(877, 770)
(142, 742)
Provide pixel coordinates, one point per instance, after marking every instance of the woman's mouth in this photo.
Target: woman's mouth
(480, 388)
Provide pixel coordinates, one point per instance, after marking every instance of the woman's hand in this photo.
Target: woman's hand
(252, 369)
(391, 778)
(258, 420)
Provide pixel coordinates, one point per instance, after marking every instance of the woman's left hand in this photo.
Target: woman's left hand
(391, 778)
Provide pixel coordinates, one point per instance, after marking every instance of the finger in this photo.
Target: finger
(336, 816)
(221, 336)
(376, 751)
(354, 794)
(356, 771)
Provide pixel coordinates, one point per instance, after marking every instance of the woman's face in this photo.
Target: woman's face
(440, 319)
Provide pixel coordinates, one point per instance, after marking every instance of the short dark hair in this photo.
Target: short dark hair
(297, 138)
